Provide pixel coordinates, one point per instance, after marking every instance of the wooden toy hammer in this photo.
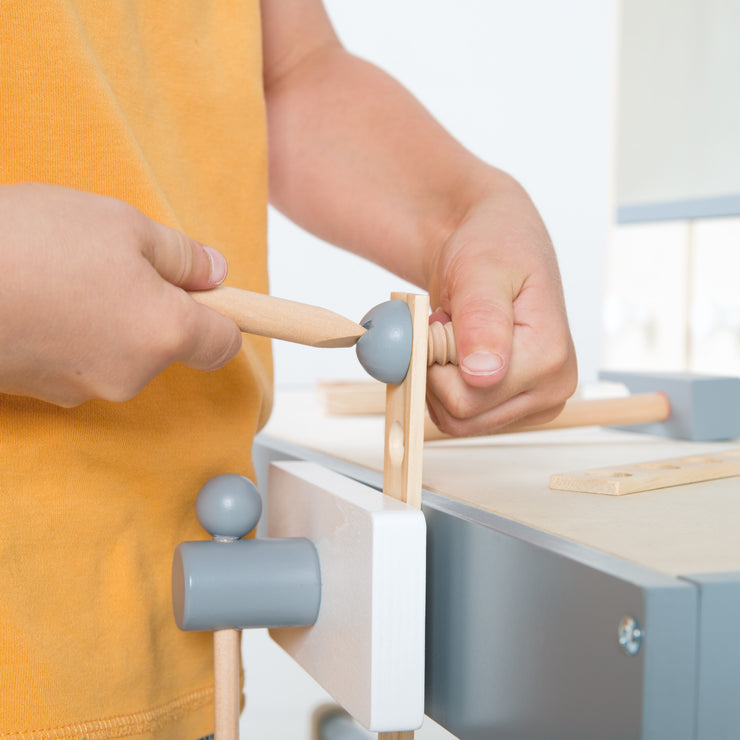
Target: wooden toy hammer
(678, 405)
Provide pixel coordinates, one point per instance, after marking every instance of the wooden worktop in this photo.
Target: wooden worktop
(676, 531)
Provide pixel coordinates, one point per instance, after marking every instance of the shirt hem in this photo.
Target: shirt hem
(137, 724)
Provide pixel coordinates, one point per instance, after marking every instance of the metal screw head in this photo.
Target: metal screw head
(630, 635)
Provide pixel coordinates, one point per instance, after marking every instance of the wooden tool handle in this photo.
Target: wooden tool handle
(227, 692)
(369, 398)
(643, 408)
(256, 313)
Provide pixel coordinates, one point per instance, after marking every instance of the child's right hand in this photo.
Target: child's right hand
(91, 304)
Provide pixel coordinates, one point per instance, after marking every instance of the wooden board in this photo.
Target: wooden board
(404, 413)
(618, 480)
(366, 648)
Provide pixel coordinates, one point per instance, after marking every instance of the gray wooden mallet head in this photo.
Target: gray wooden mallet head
(234, 583)
(704, 408)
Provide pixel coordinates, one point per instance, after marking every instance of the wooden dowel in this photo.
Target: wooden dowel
(268, 316)
(227, 696)
(642, 408)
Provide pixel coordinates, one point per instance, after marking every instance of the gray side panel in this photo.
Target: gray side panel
(671, 653)
(522, 643)
(718, 715)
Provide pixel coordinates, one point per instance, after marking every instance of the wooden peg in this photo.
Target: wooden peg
(641, 408)
(268, 316)
(227, 691)
(441, 345)
(362, 397)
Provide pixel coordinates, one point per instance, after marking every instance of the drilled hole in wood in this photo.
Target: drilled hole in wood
(396, 447)
(608, 474)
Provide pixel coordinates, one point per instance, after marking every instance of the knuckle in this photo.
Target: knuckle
(214, 358)
(183, 255)
(558, 362)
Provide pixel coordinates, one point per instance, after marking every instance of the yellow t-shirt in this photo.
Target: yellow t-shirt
(160, 105)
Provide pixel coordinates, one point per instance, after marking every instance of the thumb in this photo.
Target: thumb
(181, 260)
(481, 308)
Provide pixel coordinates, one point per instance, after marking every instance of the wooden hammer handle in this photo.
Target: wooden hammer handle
(268, 316)
(369, 398)
(227, 691)
(642, 408)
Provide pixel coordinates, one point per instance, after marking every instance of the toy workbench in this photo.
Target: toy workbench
(551, 614)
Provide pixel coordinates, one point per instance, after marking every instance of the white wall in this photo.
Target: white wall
(527, 85)
(679, 113)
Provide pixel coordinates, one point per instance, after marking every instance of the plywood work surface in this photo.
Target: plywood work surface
(677, 530)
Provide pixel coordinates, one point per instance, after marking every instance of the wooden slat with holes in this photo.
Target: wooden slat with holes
(404, 428)
(618, 480)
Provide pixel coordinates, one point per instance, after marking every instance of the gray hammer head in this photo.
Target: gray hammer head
(704, 408)
(384, 350)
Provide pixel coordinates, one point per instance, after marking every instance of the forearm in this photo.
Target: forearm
(341, 131)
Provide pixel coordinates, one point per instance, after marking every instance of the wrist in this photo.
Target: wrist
(486, 192)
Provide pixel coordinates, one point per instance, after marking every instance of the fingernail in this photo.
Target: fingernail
(482, 363)
(218, 264)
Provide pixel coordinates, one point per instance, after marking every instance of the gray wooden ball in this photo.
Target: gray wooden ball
(228, 506)
(384, 350)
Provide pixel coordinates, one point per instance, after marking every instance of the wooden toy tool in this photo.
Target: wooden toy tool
(702, 408)
(268, 316)
(383, 337)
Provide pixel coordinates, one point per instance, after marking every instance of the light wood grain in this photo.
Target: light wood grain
(618, 480)
(268, 316)
(227, 696)
(404, 414)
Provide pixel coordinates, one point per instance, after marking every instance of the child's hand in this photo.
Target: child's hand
(498, 280)
(89, 306)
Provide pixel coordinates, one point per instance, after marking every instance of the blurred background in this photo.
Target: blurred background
(622, 120)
